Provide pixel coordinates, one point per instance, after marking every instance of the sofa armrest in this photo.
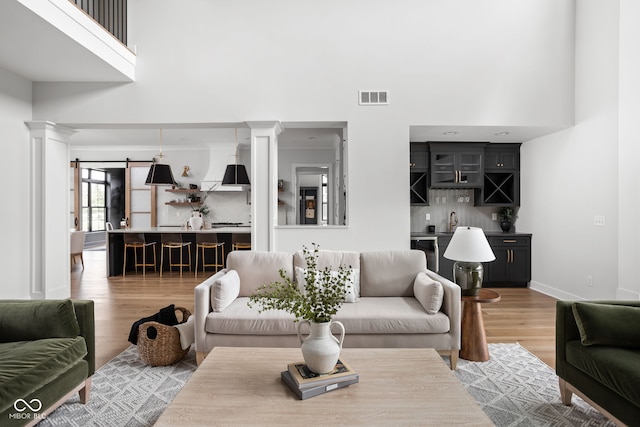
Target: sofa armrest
(450, 306)
(202, 307)
(85, 314)
(567, 328)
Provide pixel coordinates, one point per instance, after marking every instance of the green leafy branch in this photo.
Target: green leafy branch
(323, 295)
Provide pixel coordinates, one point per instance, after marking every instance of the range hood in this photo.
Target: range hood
(219, 155)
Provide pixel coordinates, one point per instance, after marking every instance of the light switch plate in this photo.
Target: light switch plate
(599, 221)
(427, 217)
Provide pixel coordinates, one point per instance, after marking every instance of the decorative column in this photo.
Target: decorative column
(264, 184)
(48, 210)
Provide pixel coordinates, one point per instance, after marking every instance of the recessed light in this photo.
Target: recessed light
(451, 132)
(501, 134)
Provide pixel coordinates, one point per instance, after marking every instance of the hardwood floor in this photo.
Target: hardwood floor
(522, 315)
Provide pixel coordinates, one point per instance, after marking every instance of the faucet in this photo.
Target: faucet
(453, 221)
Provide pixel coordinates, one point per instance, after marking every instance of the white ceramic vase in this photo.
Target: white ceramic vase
(195, 222)
(320, 349)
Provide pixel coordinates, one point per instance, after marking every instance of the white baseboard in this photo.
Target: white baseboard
(553, 292)
(621, 294)
(627, 294)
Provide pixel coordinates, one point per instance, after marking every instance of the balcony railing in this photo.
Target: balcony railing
(111, 14)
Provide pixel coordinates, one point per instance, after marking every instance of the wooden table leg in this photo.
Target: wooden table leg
(473, 337)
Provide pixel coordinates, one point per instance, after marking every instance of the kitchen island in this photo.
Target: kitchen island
(115, 243)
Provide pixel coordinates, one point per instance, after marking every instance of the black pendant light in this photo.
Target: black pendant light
(235, 174)
(159, 173)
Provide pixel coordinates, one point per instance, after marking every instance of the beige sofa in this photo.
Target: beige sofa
(386, 314)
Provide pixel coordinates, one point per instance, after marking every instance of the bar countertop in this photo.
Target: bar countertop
(162, 230)
(153, 235)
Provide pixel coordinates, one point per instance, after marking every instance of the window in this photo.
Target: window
(94, 199)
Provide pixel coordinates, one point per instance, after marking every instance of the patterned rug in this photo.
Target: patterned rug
(125, 392)
(514, 388)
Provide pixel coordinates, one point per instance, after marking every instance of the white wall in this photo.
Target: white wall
(571, 176)
(15, 109)
(444, 62)
(629, 151)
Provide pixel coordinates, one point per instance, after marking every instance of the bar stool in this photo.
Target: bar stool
(76, 244)
(209, 241)
(137, 241)
(173, 241)
(240, 241)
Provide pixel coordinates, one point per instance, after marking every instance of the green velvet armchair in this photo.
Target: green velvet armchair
(47, 354)
(598, 356)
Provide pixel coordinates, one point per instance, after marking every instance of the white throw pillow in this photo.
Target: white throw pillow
(353, 284)
(428, 292)
(225, 290)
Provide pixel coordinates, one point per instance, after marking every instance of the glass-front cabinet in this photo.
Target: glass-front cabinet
(457, 165)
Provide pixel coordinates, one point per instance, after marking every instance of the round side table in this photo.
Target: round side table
(473, 336)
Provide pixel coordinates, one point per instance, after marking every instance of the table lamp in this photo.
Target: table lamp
(469, 248)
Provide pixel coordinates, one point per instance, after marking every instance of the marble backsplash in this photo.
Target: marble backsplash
(444, 201)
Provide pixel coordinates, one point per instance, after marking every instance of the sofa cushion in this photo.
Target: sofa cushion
(257, 268)
(225, 290)
(607, 324)
(330, 259)
(390, 273)
(239, 318)
(353, 282)
(33, 320)
(616, 368)
(390, 315)
(26, 366)
(428, 292)
(374, 315)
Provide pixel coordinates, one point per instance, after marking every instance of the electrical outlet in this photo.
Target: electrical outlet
(494, 216)
(599, 221)
(589, 281)
(427, 217)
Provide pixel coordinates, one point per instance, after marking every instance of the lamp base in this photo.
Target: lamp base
(468, 275)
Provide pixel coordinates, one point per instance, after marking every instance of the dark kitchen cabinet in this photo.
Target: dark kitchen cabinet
(419, 174)
(419, 155)
(445, 266)
(501, 182)
(512, 266)
(456, 165)
(502, 157)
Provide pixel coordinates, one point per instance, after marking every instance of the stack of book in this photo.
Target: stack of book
(305, 383)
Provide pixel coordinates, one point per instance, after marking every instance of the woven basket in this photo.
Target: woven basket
(159, 345)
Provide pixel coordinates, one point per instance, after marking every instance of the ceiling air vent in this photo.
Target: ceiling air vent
(373, 97)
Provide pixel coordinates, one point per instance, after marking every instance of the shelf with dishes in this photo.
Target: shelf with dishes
(182, 190)
(190, 204)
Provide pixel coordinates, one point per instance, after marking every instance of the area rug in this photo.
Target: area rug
(125, 392)
(514, 388)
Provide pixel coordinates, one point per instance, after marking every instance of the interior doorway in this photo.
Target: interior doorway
(314, 205)
(308, 205)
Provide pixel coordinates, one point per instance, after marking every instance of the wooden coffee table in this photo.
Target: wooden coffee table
(473, 340)
(242, 386)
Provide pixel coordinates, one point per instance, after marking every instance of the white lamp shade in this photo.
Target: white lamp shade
(469, 244)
